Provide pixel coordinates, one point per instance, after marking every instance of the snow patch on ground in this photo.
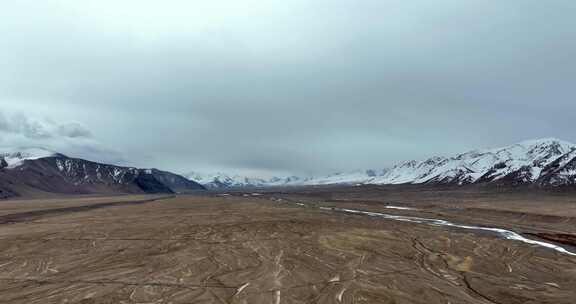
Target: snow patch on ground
(507, 234)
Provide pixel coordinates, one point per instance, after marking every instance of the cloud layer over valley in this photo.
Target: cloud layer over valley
(284, 87)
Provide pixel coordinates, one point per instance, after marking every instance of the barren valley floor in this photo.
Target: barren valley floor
(288, 247)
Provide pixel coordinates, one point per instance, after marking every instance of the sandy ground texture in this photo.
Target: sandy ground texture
(265, 248)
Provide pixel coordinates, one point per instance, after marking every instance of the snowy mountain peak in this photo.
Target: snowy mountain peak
(222, 180)
(545, 141)
(14, 157)
(545, 161)
(522, 162)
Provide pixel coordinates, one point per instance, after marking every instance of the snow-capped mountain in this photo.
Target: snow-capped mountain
(222, 180)
(12, 157)
(522, 163)
(35, 169)
(546, 162)
(344, 178)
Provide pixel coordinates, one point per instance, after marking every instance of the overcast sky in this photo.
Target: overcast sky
(284, 87)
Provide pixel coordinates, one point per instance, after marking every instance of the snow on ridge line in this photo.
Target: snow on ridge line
(15, 157)
(489, 164)
(222, 180)
(524, 162)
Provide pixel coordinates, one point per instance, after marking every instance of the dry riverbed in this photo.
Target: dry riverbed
(256, 249)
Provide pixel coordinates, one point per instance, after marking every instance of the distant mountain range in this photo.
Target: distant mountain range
(547, 162)
(223, 180)
(30, 171)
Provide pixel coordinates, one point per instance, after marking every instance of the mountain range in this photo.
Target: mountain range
(34, 171)
(223, 180)
(546, 162)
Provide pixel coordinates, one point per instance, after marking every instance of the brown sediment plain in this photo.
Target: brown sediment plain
(245, 248)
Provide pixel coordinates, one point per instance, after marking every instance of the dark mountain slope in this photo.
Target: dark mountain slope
(57, 173)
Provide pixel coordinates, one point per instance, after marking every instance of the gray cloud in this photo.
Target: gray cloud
(41, 129)
(70, 138)
(74, 130)
(291, 87)
(19, 124)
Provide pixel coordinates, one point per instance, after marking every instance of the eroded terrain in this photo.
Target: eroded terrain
(245, 248)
